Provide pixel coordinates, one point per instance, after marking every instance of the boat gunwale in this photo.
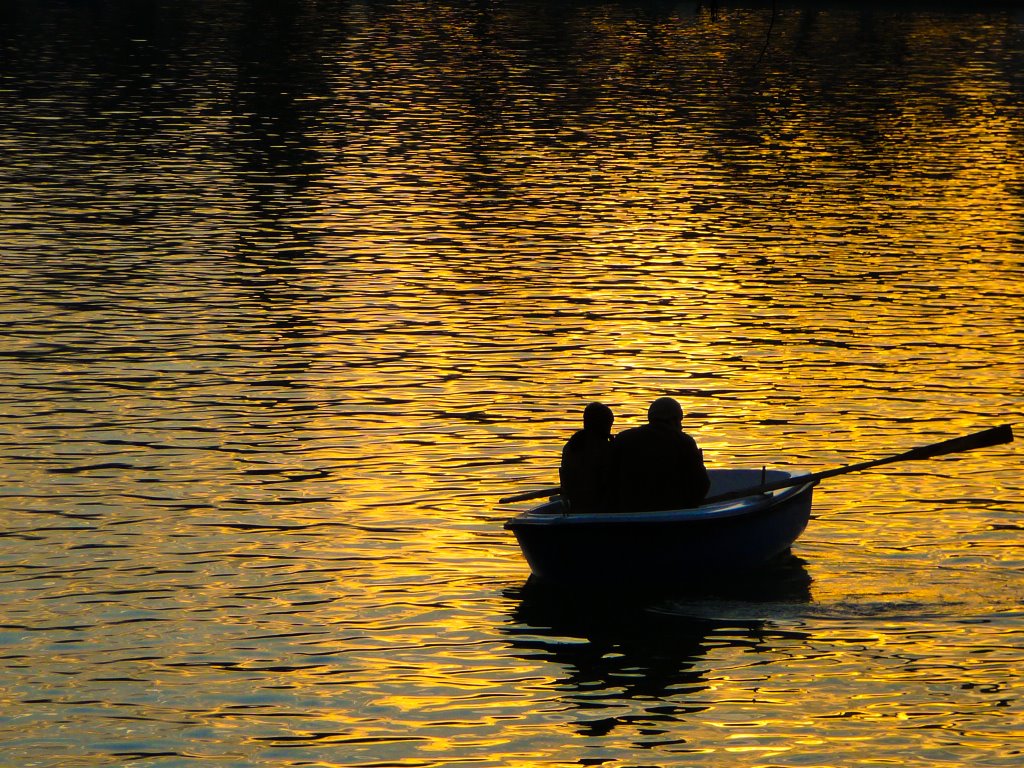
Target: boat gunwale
(731, 508)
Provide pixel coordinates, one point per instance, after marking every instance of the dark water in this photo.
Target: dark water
(293, 292)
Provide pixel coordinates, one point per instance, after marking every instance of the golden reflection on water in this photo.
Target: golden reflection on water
(271, 361)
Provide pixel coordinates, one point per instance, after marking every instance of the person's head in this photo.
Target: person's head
(598, 417)
(665, 412)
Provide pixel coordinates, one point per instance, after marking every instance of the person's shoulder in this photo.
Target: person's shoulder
(629, 434)
(687, 440)
(578, 440)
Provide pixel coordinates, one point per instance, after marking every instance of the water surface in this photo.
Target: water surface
(292, 296)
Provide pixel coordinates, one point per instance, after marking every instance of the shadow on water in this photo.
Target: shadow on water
(648, 646)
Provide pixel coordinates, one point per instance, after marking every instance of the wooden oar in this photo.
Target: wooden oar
(983, 439)
(531, 495)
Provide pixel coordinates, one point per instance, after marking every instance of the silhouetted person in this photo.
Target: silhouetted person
(586, 459)
(658, 466)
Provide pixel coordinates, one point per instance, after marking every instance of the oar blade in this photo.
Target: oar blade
(984, 439)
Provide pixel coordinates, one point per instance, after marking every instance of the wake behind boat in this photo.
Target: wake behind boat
(715, 540)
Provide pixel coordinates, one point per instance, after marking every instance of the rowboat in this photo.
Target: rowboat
(728, 537)
(748, 517)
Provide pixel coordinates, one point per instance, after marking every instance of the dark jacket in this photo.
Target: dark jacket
(583, 474)
(656, 467)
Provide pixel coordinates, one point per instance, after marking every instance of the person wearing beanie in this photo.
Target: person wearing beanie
(586, 459)
(657, 466)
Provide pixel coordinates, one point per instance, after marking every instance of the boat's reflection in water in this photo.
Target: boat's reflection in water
(620, 650)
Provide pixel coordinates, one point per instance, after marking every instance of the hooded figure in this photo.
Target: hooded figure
(658, 466)
(586, 459)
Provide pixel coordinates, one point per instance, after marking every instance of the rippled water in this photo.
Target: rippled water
(293, 293)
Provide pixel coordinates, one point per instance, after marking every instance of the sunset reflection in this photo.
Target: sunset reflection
(294, 293)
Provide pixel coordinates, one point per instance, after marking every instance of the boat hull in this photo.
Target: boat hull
(669, 548)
